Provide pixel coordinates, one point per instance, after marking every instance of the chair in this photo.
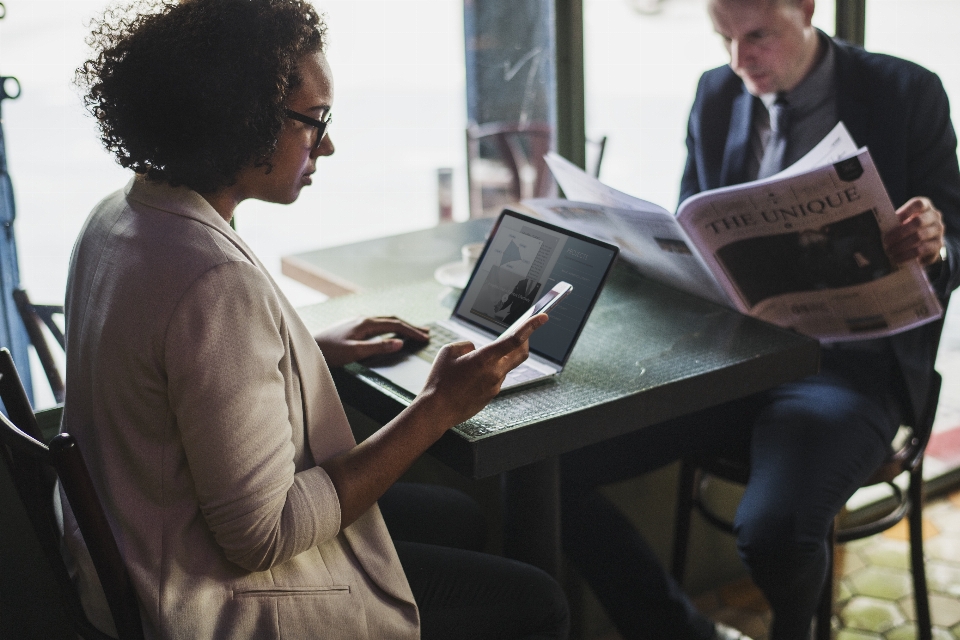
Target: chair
(35, 317)
(35, 468)
(906, 457)
(505, 164)
(601, 146)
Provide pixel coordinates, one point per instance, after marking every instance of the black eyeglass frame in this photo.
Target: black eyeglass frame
(320, 125)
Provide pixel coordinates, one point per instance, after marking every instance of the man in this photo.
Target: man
(811, 443)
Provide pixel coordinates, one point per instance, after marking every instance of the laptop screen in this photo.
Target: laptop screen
(522, 260)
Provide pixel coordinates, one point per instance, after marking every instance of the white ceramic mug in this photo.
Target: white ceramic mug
(470, 253)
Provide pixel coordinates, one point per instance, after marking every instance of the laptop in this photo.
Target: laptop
(523, 259)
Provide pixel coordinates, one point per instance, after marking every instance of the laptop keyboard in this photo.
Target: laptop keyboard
(522, 373)
(440, 335)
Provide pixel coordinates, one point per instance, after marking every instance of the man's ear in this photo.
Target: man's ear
(807, 6)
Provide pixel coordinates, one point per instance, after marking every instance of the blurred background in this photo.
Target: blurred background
(400, 115)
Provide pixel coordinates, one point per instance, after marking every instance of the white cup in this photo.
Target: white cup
(470, 253)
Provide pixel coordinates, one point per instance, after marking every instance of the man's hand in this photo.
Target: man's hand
(360, 338)
(920, 234)
(464, 379)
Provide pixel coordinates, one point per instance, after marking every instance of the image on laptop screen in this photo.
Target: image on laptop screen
(524, 258)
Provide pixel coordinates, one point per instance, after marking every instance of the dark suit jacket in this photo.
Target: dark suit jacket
(898, 110)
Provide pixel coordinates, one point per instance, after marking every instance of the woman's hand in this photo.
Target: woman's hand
(360, 338)
(464, 379)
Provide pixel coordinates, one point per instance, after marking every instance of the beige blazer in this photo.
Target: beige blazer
(202, 405)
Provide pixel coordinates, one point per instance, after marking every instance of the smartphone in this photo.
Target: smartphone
(548, 301)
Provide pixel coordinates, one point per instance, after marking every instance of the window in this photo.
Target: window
(641, 73)
(400, 115)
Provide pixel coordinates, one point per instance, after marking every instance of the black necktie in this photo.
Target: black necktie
(774, 151)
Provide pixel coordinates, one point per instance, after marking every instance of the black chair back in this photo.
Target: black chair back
(35, 468)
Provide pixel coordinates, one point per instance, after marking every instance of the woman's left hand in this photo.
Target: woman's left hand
(360, 338)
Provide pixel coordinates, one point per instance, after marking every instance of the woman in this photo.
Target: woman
(216, 441)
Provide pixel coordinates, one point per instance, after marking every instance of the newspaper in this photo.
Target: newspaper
(802, 249)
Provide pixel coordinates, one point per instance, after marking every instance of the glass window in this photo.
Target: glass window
(400, 115)
(923, 31)
(642, 61)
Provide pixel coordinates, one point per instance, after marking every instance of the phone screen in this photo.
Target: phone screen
(548, 301)
(544, 301)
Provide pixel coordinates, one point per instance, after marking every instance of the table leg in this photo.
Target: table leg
(531, 510)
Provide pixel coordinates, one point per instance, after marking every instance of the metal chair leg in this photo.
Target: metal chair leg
(681, 524)
(824, 628)
(918, 568)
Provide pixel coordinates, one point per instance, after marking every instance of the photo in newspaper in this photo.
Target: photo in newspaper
(830, 256)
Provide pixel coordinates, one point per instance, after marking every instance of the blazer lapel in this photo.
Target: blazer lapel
(368, 535)
(735, 153)
(379, 560)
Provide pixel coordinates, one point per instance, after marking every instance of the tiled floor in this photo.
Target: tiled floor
(875, 594)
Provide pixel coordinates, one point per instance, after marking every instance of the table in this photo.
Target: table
(383, 262)
(648, 354)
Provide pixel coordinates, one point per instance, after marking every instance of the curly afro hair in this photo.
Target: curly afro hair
(190, 92)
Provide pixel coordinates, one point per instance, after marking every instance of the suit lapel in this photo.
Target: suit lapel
(738, 140)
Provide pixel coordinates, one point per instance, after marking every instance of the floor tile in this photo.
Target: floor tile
(886, 553)
(851, 634)
(880, 582)
(909, 632)
(944, 610)
(944, 548)
(901, 530)
(946, 517)
(863, 613)
(943, 577)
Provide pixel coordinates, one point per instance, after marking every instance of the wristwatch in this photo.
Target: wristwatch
(936, 267)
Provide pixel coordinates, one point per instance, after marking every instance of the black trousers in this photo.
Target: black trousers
(811, 444)
(461, 592)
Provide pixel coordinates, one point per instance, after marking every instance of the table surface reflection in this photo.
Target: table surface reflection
(647, 354)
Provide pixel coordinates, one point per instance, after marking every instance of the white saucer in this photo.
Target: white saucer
(453, 274)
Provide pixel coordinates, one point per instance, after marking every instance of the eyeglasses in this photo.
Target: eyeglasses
(321, 125)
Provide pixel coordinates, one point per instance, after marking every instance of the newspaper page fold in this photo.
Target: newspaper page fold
(802, 249)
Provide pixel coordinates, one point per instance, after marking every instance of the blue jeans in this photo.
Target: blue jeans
(811, 443)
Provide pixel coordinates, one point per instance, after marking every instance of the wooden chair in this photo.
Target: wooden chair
(516, 147)
(906, 458)
(35, 467)
(35, 317)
